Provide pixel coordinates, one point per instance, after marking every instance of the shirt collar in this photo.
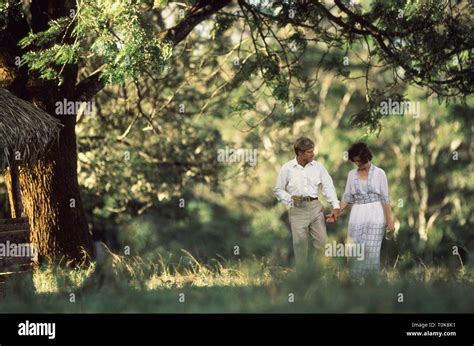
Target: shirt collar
(371, 169)
(294, 162)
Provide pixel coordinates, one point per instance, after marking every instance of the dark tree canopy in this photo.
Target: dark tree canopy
(424, 43)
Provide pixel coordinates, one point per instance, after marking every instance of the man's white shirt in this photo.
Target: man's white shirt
(307, 181)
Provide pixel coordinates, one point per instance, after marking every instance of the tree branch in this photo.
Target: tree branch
(177, 33)
(91, 85)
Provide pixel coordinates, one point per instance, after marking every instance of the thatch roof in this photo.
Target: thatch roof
(24, 128)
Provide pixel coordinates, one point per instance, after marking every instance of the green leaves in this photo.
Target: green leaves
(55, 32)
(48, 54)
(160, 3)
(274, 79)
(48, 62)
(378, 107)
(279, 89)
(112, 30)
(124, 42)
(127, 60)
(3, 14)
(222, 23)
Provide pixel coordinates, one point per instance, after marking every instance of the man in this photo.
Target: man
(297, 187)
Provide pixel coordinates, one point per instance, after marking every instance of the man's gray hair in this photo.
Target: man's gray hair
(302, 144)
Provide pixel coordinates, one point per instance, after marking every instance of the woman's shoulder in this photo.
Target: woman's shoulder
(352, 172)
(378, 169)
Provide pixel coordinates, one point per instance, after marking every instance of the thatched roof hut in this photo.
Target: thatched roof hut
(24, 129)
(26, 133)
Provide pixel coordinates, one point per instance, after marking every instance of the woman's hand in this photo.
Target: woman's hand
(330, 218)
(390, 226)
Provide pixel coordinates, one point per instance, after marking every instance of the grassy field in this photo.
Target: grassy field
(132, 284)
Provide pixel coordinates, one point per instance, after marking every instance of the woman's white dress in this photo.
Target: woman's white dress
(367, 218)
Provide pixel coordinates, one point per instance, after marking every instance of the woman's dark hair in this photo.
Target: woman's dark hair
(362, 150)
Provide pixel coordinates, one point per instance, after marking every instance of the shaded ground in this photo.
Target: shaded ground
(133, 285)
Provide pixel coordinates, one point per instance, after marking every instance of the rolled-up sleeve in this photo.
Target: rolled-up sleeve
(384, 188)
(329, 192)
(347, 196)
(280, 188)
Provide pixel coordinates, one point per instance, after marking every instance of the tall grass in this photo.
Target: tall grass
(133, 284)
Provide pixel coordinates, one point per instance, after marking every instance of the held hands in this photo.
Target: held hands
(332, 218)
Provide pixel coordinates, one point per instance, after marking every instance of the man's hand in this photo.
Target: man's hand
(296, 200)
(332, 218)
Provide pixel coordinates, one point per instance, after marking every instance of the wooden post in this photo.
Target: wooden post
(17, 207)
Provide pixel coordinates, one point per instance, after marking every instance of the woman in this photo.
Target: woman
(367, 189)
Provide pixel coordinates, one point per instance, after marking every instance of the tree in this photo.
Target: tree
(69, 51)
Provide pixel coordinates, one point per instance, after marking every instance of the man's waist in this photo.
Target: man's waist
(305, 198)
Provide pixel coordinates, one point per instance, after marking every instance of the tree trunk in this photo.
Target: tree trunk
(14, 193)
(52, 202)
(51, 196)
(50, 189)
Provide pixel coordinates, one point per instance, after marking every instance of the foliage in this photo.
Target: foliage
(421, 43)
(119, 38)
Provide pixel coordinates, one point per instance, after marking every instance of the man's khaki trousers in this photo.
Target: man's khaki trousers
(307, 224)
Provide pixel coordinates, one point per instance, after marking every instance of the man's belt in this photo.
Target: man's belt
(306, 198)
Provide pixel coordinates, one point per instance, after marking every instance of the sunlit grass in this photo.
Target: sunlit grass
(53, 279)
(133, 284)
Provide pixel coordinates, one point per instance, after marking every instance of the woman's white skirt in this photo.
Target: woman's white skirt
(366, 230)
